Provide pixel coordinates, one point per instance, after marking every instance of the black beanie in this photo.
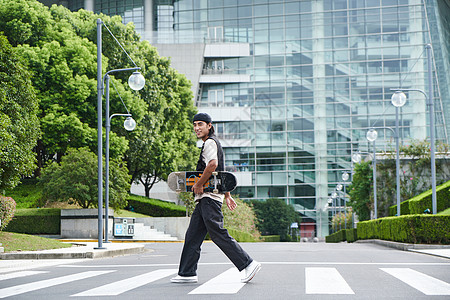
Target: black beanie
(202, 117)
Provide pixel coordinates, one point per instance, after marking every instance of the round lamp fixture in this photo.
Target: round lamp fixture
(398, 99)
(356, 157)
(345, 176)
(129, 124)
(371, 135)
(339, 187)
(334, 195)
(136, 81)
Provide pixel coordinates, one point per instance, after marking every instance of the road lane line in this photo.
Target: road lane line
(119, 287)
(229, 282)
(422, 282)
(325, 281)
(33, 286)
(20, 274)
(313, 263)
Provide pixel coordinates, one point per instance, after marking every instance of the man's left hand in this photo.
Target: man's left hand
(230, 202)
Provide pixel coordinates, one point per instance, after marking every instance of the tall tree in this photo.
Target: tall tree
(60, 49)
(19, 125)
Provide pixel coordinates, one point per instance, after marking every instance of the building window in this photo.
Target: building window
(215, 34)
(215, 98)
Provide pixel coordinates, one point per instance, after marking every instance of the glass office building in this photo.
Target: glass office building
(293, 86)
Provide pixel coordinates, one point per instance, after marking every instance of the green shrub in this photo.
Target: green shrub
(336, 237)
(271, 238)
(242, 236)
(242, 218)
(36, 221)
(419, 203)
(408, 229)
(351, 235)
(27, 194)
(154, 208)
(7, 208)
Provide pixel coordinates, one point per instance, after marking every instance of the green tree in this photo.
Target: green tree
(60, 49)
(360, 191)
(275, 217)
(19, 125)
(76, 179)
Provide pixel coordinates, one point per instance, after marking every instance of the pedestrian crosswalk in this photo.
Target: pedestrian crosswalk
(314, 281)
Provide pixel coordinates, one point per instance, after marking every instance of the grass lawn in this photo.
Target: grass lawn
(444, 212)
(24, 242)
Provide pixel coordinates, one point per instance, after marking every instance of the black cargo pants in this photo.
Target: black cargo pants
(208, 218)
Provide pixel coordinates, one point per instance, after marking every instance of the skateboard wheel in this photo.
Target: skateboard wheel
(216, 191)
(214, 173)
(178, 190)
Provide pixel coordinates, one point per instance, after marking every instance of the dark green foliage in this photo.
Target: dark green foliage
(417, 229)
(28, 194)
(19, 125)
(271, 238)
(351, 235)
(422, 202)
(360, 191)
(76, 178)
(242, 236)
(275, 217)
(36, 221)
(336, 237)
(154, 208)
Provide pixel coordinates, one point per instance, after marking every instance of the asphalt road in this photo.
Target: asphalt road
(289, 271)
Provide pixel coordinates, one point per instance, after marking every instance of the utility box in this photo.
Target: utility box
(124, 227)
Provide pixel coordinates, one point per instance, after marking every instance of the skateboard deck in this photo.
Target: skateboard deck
(219, 182)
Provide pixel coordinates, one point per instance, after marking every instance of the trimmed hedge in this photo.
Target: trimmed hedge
(36, 221)
(242, 236)
(154, 208)
(415, 229)
(271, 238)
(351, 235)
(336, 237)
(421, 202)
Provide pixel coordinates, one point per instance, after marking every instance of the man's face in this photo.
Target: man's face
(201, 129)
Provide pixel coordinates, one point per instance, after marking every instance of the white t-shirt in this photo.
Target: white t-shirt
(210, 153)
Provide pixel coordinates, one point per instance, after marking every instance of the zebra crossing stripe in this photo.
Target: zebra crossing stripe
(325, 281)
(422, 282)
(19, 274)
(229, 282)
(125, 285)
(33, 286)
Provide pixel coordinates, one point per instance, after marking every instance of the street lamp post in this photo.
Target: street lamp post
(135, 80)
(129, 125)
(430, 105)
(371, 136)
(345, 177)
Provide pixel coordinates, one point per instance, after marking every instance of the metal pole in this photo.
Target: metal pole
(374, 161)
(430, 105)
(108, 128)
(345, 208)
(99, 132)
(397, 163)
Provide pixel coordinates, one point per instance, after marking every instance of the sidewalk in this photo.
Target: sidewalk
(80, 250)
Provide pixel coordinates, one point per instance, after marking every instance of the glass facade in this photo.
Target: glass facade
(316, 76)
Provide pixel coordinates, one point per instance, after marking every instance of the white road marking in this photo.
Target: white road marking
(325, 281)
(422, 282)
(28, 287)
(122, 286)
(266, 263)
(229, 282)
(19, 274)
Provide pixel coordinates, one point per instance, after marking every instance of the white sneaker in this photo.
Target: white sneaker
(251, 271)
(184, 279)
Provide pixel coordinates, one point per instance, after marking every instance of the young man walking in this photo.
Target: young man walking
(207, 216)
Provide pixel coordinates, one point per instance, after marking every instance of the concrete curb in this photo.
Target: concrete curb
(70, 253)
(442, 251)
(403, 246)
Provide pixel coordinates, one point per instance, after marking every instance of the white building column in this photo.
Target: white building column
(320, 119)
(89, 5)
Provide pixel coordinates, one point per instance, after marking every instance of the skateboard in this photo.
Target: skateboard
(219, 182)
